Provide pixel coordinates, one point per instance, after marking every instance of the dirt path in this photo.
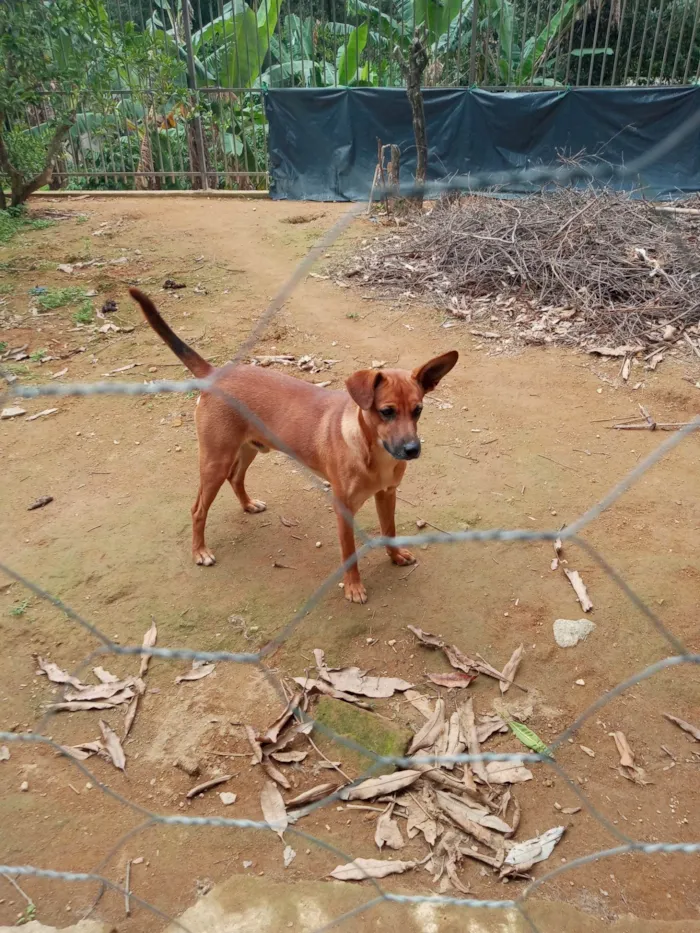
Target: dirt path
(515, 442)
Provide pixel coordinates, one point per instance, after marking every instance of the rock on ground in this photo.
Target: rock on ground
(569, 632)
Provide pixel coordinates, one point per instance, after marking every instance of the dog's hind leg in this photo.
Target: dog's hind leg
(212, 476)
(246, 454)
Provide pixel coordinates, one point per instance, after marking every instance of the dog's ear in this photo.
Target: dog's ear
(429, 374)
(362, 385)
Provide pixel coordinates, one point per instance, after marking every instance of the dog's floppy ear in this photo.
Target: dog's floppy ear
(429, 374)
(362, 385)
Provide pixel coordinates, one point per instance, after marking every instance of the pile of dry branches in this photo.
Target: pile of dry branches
(573, 267)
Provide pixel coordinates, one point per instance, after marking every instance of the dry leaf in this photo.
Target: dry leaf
(254, 744)
(103, 691)
(113, 746)
(196, 672)
(574, 578)
(534, 850)
(131, 715)
(488, 726)
(387, 831)
(273, 732)
(431, 641)
(505, 772)
(587, 750)
(287, 758)
(459, 660)
(418, 819)
(299, 728)
(685, 726)
(474, 812)
(421, 703)
(469, 737)
(623, 749)
(375, 787)
(56, 675)
(312, 795)
(511, 667)
(453, 743)
(427, 736)
(628, 768)
(288, 855)
(353, 680)
(273, 808)
(207, 785)
(149, 640)
(76, 705)
(83, 751)
(571, 810)
(321, 686)
(104, 676)
(363, 868)
(459, 813)
(451, 681)
(288, 522)
(275, 774)
(4, 753)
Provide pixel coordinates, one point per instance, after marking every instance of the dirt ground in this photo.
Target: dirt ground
(518, 441)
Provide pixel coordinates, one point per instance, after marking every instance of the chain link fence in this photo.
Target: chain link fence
(678, 654)
(174, 96)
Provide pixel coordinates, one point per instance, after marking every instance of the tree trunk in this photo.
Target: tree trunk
(413, 71)
(20, 187)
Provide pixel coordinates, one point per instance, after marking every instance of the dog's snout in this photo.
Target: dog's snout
(411, 449)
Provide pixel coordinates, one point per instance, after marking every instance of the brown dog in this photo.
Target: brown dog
(358, 440)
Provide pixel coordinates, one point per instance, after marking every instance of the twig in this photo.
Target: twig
(318, 750)
(691, 344)
(564, 465)
(127, 890)
(17, 887)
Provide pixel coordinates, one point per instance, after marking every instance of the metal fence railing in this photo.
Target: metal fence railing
(181, 102)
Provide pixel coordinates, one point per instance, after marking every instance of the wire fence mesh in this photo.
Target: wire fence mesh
(678, 653)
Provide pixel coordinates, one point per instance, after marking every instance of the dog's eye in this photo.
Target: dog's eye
(417, 412)
(387, 413)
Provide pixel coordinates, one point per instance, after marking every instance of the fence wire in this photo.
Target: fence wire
(679, 654)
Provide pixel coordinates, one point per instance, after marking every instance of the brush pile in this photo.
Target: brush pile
(574, 267)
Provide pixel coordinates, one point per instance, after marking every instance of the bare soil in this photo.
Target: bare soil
(510, 441)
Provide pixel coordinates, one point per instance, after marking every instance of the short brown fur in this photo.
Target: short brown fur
(359, 440)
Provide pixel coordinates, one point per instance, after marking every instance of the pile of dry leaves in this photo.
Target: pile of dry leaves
(571, 267)
(462, 811)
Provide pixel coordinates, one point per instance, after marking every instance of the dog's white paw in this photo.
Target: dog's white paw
(204, 557)
(254, 506)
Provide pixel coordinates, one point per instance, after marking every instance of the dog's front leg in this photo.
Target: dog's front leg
(385, 500)
(354, 590)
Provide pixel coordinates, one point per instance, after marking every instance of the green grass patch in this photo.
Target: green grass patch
(84, 314)
(16, 221)
(54, 298)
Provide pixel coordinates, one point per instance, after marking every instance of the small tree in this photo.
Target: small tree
(47, 48)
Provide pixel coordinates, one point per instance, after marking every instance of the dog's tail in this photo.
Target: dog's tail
(192, 360)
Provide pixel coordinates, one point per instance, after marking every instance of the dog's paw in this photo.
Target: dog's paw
(402, 557)
(204, 557)
(355, 592)
(254, 506)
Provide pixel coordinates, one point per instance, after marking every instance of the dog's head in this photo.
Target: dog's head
(393, 401)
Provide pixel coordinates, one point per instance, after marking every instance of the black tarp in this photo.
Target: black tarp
(323, 141)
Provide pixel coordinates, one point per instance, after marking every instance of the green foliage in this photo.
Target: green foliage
(84, 314)
(54, 298)
(37, 355)
(20, 609)
(13, 222)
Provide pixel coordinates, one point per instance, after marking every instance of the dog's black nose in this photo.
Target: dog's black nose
(411, 450)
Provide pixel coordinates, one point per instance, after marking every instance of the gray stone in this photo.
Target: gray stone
(569, 632)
